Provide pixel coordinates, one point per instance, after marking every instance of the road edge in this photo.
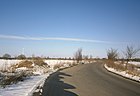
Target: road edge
(117, 73)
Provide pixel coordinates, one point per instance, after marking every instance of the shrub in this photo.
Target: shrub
(112, 54)
(131, 52)
(12, 79)
(39, 61)
(6, 56)
(57, 66)
(78, 55)
(27, 64)
(21, 56)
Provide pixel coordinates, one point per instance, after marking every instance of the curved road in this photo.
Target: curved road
(89, 80)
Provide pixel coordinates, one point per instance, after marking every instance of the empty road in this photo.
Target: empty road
(89, 80)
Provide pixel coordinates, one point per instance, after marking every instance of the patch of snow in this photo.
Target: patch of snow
(122, 73)
(66, 65)
(40, 70)
(134, 63)
(33, 64)
(22, 69)
(25, 88)
(52, 63)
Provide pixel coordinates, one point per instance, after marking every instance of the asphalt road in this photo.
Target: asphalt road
(89, 80)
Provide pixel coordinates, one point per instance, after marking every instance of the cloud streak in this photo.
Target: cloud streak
(50, 38)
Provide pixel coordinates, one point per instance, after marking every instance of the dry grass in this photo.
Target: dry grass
(110, 63)
(27, 64)
(17, 76)
(121, 66)
(12, 79)
(39, 61)
(57, 66)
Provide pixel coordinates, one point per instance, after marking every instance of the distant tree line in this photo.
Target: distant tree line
(8, 56)
(21, 56)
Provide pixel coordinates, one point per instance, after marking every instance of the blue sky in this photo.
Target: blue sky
(57, 28)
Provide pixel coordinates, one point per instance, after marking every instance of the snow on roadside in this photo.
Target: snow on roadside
(28, 86)
(25, 88)
(122, 73)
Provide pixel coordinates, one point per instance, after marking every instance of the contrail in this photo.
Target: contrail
(51, 38)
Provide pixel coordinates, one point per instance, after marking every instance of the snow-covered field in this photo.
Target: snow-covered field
(130, 62)
(51, 63)
(4, 64)
(123, 73)
(28, 86)
(134, 63)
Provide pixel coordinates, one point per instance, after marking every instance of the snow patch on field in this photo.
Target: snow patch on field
(4, 64)
(122, 73)
(52, 63)
(134, 63)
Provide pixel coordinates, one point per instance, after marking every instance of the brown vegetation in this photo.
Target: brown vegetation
(12, 79)
(39, 61)
(78, 55)
(122, 65)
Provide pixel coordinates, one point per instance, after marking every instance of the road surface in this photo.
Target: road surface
(89, 80)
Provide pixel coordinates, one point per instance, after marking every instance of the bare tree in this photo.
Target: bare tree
(131, 52)
(6, 56)
(21, 56)
(78, 55)
(85, 57)
(112, 54)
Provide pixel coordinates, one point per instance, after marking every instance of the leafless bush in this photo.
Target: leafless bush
(131, 52)
(39, 61)
(120, 67)
(6, 56)
(21, 56)
(131, 69)
(112, 54)
(110, 63)
(57, 66)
